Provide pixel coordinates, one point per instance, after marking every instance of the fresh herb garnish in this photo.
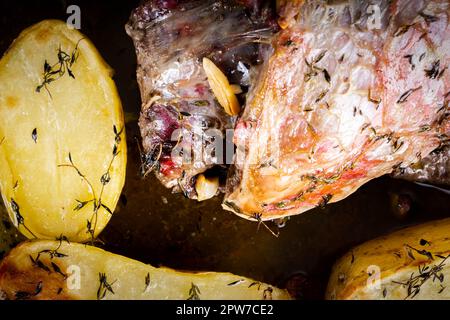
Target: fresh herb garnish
(321, 96)
(105, 179)
(147, 282)
(313, 70)
(425, 253)
(415, 282)
(34, 135)
(410, 60)
(235, 283)
(104, 286)
(256, 283)
(267, 293)
(194, 292)
(404, 97)
(39, 264)
(23, 295)
(325, 200)
(59, 69)
(433, 72)
(185, 114)
(326, 75)
(288, 43)
(57, 269)
(201, 103)
(258, 217)
(20, 219)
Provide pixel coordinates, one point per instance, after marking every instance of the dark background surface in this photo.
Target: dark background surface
(154, 226)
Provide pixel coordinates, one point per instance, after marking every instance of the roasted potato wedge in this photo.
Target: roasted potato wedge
(59, 270)
(413, 263)
(62, 141)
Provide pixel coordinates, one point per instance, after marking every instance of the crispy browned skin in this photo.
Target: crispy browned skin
(23, 280)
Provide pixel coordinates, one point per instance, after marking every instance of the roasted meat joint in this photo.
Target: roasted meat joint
(188, 52)
(225, 150)
(317, 103)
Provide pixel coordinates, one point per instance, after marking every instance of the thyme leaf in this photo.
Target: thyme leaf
(415, 282)
(267, 293)
(404, 97)
(20, 219)
(147, 282)
(104, 286)
(258, 217)
(434, 71)
(34, 135)
(235, 283)
(194, 292)
(105, 179)
(59, 69)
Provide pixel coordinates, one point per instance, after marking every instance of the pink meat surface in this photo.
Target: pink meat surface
(346, 96)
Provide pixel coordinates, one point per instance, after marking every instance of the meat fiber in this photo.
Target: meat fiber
(353, 91)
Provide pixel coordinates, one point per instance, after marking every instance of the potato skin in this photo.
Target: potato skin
(394, 259)
(34, 276)
(62, 145)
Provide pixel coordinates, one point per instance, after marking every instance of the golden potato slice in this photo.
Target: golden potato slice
(413, 263)
(58, 270)
(62, 140)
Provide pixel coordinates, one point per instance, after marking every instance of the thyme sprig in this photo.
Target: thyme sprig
(404, 97)
(34, 135)
(150, 160)
(104, 286)
(313, 70)
(434, 70)
(258, 218)
(147, 282)
(59, 69)
(52, 253)
(23, 295)
(235, 283)
(423, 252)
(267, 293)
(105, 179)
(425, 273)
(20, 219)
(255, 283)
(325, 200)
(194, 292)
